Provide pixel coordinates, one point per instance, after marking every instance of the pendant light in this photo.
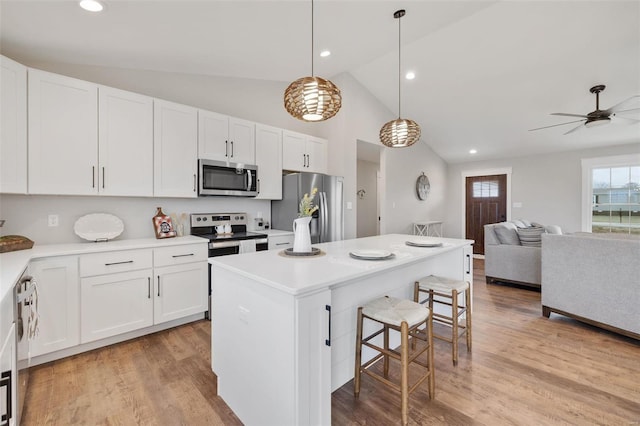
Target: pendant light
(312, 98)
(402, 132)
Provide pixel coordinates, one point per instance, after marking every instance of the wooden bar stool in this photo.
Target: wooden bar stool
(405, 317)
(449, 289)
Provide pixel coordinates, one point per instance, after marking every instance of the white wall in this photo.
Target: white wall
(548, 186)
(367, 206)
(26, 215)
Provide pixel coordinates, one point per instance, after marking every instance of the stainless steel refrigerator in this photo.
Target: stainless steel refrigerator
(327, 223)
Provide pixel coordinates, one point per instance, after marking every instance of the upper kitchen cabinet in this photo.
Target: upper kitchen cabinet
(125, 143)
(269, 162)
(225, 138)
(13, 127)
(303, 152)
(175, 150)
(63, 135)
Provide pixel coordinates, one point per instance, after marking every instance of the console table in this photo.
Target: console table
(431, 228)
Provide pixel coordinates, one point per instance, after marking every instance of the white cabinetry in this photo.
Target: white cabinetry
(116, 293)
(175, 149)
(280, 242)
(63, 135)
(125, 143)
(303, 152)
(13, 127)
(269, 162)
(58, 303)
(8, 379)
(225, 138)
(181, 282)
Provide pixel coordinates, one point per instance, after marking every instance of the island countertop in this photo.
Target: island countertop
(301, 275)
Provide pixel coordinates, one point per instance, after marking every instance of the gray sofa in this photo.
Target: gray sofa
(593, 278)
(512, 263)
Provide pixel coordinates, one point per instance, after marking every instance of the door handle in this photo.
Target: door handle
(158, 285)
(328, 341)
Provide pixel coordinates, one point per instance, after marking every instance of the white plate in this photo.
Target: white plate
(371, 254)
(423, 243)
(98, 227)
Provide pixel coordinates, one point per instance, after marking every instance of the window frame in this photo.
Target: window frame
(588, 164)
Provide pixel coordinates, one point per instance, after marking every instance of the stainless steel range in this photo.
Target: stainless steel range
(225, 231)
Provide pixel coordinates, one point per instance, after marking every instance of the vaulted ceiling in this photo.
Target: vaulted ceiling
(486, 71)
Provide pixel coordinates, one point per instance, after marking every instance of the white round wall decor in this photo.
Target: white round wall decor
(422, 187)
(98, 227)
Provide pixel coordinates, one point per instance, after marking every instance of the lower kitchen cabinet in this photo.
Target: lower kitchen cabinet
(58, 303)
(180, 290)
(115, 303)
(280, 242)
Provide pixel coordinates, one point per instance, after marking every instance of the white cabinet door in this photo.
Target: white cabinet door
(294, 154)
(58, 303)
(317, 154)
(115, 303)
(125, 143)
(213, 136)
(175, 150)
(9, 369)
(269, 162)
(242, 136)
(63, 135)
(180, 291)
(13, 127)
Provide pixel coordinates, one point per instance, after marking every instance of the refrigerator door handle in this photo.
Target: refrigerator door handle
(325, 218)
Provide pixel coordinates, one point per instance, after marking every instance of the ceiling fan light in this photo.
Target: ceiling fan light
(400, 133)
(312, 99)
(597, 122)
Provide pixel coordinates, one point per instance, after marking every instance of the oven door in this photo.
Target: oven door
(220, 178)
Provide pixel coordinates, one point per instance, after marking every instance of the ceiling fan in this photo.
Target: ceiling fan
(597, 117)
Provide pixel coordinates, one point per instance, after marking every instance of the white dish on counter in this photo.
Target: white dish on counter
(371, 254)
(423, 243)
(98, 227)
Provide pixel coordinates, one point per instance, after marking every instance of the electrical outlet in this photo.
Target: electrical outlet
(54, 220)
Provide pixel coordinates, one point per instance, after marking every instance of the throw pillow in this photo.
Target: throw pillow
(531, 237)
(518, 223)
(507, 234)
(553, 229)
(526, 222)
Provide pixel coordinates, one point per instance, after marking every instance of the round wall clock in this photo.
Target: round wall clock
(423, 186)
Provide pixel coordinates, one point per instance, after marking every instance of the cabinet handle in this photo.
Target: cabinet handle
(231, 149)
(328, 341)
(158, 285)
(5, 380)
(468, 264)
(194, 182)
(226, 148)
(103, 178)
(182, 255)
(258, 186)
(283, 244)
(148, 287)
(118, 263)
(93, 176)
(304, 160)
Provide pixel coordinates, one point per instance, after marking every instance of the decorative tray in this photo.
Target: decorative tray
(98, 227)
(14, 242)
(314, 252)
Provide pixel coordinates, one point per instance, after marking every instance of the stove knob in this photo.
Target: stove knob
(198, 219)
(204, 219)
(241, 217)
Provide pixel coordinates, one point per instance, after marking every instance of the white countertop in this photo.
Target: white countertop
(299, 275)
(13, 264)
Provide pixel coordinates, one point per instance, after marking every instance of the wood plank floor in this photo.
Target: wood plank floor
(524, 370)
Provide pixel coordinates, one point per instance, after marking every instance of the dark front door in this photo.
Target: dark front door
(486, 202)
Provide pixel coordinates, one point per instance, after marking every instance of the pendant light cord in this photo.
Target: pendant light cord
(312, 53)
(399, 66)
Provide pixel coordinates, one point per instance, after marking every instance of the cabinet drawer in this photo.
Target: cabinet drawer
(280, 242)
(116, 261)
(167, 256)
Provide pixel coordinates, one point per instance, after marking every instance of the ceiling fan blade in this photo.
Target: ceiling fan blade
(556, 125)
(569, 115)
(618, 107)
(618, 117)
(624, 111)
(578, 127)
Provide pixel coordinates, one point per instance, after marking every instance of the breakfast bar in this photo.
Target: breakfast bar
(283, 327)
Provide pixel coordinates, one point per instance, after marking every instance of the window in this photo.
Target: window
(485, 189)
(613, 189)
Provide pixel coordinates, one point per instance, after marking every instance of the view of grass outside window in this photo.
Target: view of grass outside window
(616, 200)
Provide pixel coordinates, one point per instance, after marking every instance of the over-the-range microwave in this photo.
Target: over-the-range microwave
(221, 178)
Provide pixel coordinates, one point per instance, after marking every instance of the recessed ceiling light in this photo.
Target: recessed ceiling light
(473, 151)
(325, 53)
(91, 5)
(410, 75)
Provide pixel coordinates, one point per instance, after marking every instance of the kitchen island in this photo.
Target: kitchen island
(283, 328)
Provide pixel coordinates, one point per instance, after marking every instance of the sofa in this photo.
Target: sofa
(512, 252)
(594, 278)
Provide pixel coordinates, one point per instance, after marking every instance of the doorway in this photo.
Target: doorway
(368, 190)
(485, 202)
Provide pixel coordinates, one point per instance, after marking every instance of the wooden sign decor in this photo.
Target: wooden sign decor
(162, 225)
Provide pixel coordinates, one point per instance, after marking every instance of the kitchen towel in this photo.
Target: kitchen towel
(247, 246)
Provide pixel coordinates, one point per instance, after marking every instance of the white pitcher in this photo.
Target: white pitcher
(302, 235)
